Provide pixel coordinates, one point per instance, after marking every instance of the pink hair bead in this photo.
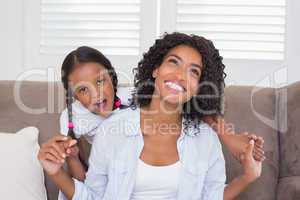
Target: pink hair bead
(70, 125)
(118, 103)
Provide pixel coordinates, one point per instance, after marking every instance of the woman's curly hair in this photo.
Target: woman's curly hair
(209, 98)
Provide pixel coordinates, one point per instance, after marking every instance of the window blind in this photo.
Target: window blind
(240, 29)
(112, 26)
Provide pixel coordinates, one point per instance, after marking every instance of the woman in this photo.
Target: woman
(159, 148)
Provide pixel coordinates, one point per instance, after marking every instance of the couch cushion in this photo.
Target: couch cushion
(252, 109)
(20, 169)
(289, 108)
(289, 188)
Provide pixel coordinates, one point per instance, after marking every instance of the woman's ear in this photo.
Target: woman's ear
(154, 73)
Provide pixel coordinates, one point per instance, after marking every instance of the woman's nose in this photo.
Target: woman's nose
(181, 73)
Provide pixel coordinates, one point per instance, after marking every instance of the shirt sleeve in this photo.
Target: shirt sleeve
(214, 183)
(96, 178)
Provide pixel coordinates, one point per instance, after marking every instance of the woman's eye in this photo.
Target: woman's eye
(195, 72)
(174, 61)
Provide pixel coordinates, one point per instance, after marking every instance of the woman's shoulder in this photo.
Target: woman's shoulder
(202, 132)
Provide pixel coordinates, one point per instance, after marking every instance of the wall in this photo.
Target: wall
(11, 50)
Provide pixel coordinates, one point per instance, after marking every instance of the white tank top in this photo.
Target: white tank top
(156, 182)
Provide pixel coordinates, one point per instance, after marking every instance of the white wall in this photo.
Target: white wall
(12, 65)
(11, 48)
(293, 42)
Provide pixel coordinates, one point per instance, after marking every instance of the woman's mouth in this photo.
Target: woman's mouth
(174, 87)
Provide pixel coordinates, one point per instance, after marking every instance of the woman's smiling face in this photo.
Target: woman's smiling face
(177, 78)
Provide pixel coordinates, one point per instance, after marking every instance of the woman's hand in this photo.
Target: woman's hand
(252, 168)
(53, 153)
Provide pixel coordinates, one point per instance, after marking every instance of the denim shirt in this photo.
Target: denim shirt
(118, 145)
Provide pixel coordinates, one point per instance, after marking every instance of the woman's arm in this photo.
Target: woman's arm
(52, 155)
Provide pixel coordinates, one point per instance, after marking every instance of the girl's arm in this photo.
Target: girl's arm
(236, 143)
(76, 168)
(64, 182)
(77, 155)
(252, 170)
(51, 157)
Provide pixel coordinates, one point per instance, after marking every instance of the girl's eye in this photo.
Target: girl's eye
(83, 90)
(100, 82)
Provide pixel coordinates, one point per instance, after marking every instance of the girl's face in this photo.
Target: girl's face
(177, 78)
(93, 88)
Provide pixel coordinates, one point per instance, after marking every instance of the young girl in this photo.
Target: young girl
(89, 79)
(167, 85)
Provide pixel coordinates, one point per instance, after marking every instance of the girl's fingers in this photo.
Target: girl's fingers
(259, 150)
(259, 158)
(72, 143)
(259, 142)
(252, 137)
(258, 154)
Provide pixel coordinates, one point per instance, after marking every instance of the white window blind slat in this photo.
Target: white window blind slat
(90, 1)
(113, 26)
(268, 3)
(61, 50)
(91, 17)
(243, 29)
(83, 8)
(79, 34)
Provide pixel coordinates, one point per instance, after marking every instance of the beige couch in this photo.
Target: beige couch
(271, 113)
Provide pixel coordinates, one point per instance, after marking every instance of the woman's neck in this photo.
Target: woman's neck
(161, 117)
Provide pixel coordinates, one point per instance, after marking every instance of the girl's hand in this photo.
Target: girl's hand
(72, 148)
(52, 154)
(236, 143)
(252, 168)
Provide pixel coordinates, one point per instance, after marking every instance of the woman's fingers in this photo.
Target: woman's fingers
(52, 158)
(54, 153)
(59, 148)
(249, 150)
(49, 154)
(59, 138)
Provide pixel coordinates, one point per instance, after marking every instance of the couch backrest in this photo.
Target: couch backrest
(254, 110)
(239, 110)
